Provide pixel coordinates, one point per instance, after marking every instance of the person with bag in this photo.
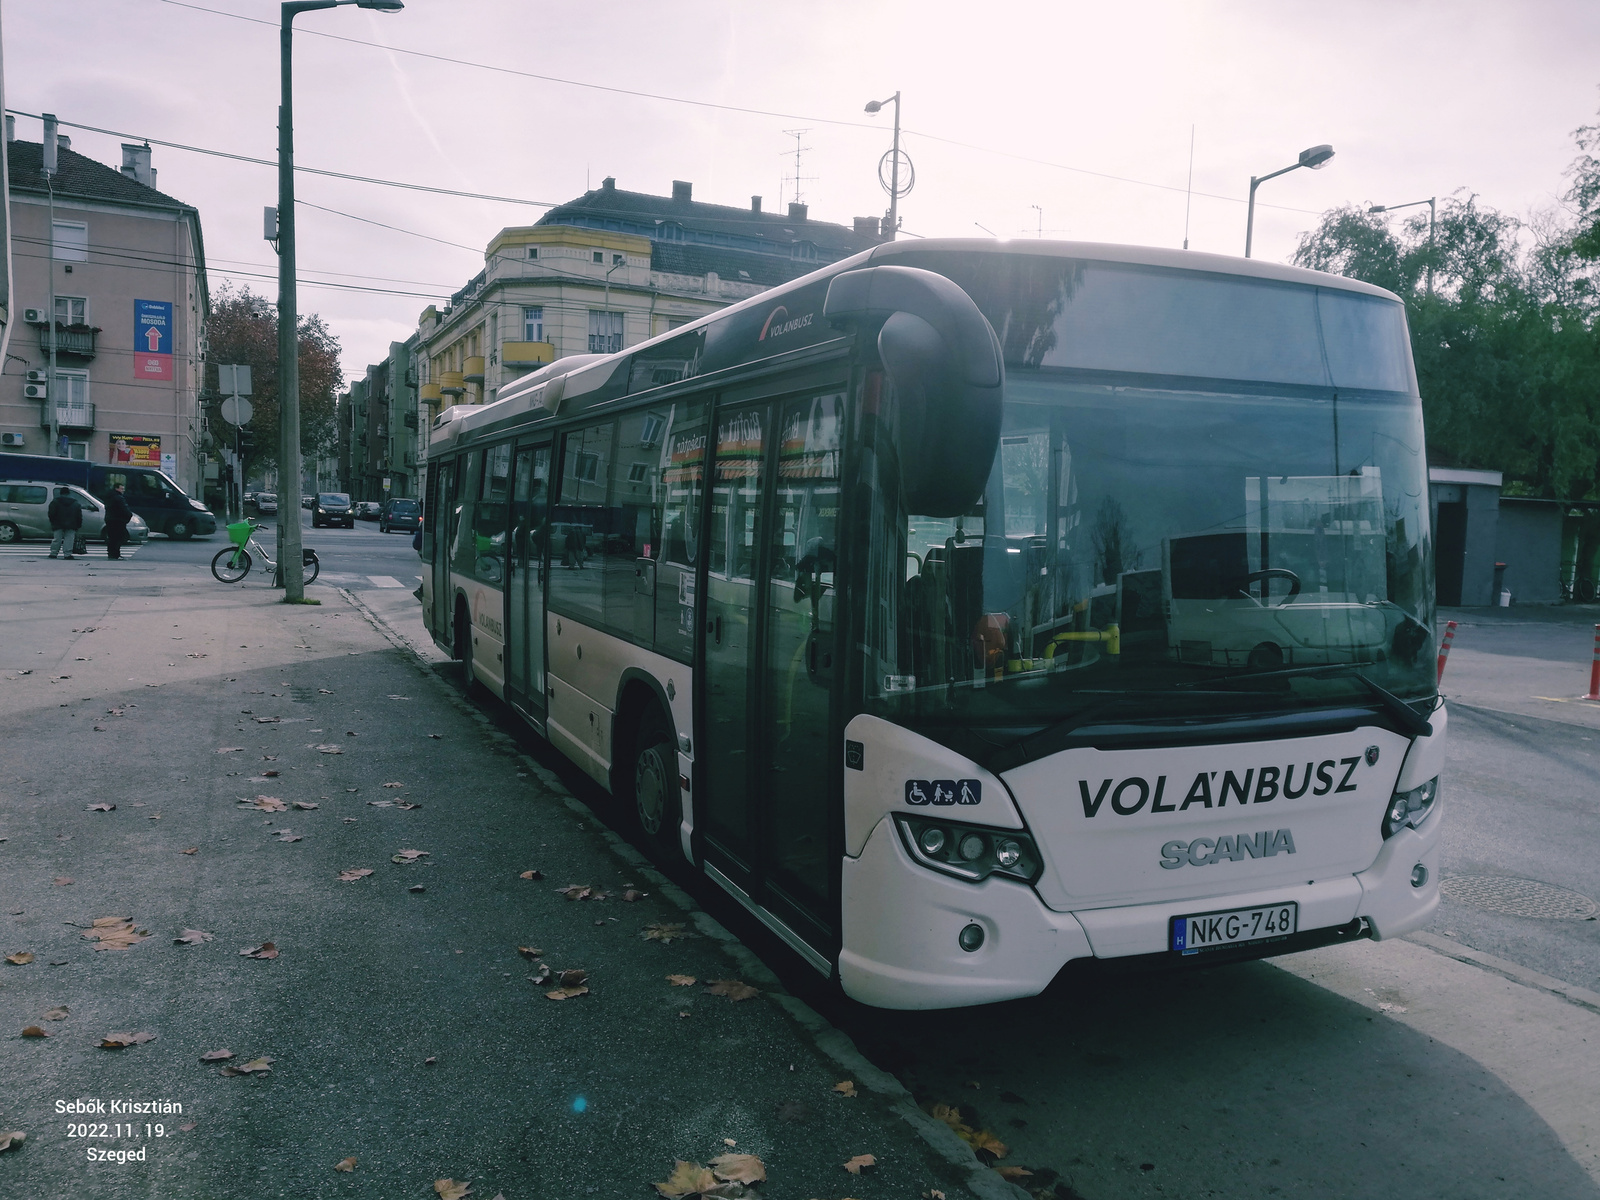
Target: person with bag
(66, 519)
(118, 514)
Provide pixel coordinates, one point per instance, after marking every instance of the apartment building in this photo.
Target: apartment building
(379, 450)
(126, 264)
(609, 270)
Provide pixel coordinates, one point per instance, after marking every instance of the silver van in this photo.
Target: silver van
(25, 507)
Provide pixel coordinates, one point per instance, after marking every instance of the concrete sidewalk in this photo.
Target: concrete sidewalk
(1532, 660)
(405, 1027)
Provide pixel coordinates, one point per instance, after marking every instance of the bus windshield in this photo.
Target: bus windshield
(1133, 539)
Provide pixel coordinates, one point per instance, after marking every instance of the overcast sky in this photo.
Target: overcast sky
(1015, 114)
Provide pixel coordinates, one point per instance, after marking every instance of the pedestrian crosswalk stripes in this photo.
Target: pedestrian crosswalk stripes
(42, 550)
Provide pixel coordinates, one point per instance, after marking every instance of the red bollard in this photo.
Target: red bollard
(1594, 669)
(1444, 649)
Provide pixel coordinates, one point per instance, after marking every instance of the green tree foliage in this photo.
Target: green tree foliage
(244, 329)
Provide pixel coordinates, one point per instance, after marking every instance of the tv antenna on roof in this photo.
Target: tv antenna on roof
(797, 178)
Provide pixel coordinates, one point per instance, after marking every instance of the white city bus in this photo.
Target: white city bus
(967, 609)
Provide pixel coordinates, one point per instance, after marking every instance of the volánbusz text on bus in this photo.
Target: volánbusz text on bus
(952, 605)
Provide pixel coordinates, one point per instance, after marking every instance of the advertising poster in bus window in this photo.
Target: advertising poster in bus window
(136, 450)
(810, 445)
(739, 443)
(152, 339)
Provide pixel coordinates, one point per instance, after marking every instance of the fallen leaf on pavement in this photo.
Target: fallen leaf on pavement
(529, 951)
(733, 989)
(266, 804)
(681, 980)
(192, 850)
(687, 1179)
(630, 895)
(13, 1139)
(268, 720)
(269, 774)
(574, 978)
(21, 958)
(860, 1163)
(449, 1189)
(58, 1013)
(231, 750)
(119, 1041)
(216, 1055)
(663, 933)
(101, 807)
(191, 937)
(438, 737)
(406, 807)
(845, 1087)
(62, 880)
(324, 692)
(986, 1143)
(35, 1031)
(265, 950)
(542, 975)
(575, 891)
(305, 805)
(408, 856)
(399, 697)
(115, 933)
(738, 1168)
(354, 873)
(345, 1164)
(394, 785)
(416, 887)
(99, 728)
(567, 993)
(430, 1060)
(188, 1127)
(327, 749)
(380, 803)
(1012, 1173)
(287, 835)
(256, 1066)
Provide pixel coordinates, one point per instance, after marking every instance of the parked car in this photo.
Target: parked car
(332, 508)
(306, 501)
(367, 510)
(24, 513)
(400, 514)
(266, 503)
(156, 498)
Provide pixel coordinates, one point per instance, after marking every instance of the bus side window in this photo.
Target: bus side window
(678, 499)
(580, 521)
(463, 551)
(488, 534)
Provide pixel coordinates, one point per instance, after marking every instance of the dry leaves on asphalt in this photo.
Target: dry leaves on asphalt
(265, 804)
(573, 983)
(10, 1140)
(101, 807)
(860, 1163)
(35, 1031)
(661, 932)
(681, 980)
(307, 805)
(845, 1087)
(738, 1168)
(191, 937)
(408, 856)
(265, 950)
(216, 1056)
(353, 874)
(231, 750)
(687, 1179)
(21, 958)
(345, 1164)
(404, 807)
(115, 933)
(326, 749)
(531, 875)
(981, 1140)
(287, 835)
(449, 1189)
(733, 989)
(380, 803)
(270, 774)
(256, 1066)
(62, 880)
(1012, 1174)
(630, 895)
(120, 1041)
(59, 1013)
(530, 951)
(579, 891)
(192, 850)
(394, 785)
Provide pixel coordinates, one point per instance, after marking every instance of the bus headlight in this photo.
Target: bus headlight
(1410, 809)
(969, 852)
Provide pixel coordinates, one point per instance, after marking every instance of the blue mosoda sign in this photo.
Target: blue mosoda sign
(152, 339)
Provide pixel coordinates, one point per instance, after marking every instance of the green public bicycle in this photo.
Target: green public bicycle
(232, 564)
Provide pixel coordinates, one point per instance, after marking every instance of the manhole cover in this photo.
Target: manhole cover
(1518, 897)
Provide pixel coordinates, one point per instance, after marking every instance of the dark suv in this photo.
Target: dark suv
(400, 514)
(332, 508)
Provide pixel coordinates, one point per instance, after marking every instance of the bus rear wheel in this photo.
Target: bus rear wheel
(657, 806)
(462, 645)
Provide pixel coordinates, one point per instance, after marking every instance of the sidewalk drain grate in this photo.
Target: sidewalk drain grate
(1518, 897)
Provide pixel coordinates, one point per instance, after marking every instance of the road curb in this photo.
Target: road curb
(1570, 992)
(833, 1042)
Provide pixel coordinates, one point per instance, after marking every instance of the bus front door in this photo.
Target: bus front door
(529, 527)
(769, 660)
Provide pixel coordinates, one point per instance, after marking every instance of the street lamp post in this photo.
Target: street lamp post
(1312, 157)
(1431, 202)
(894, 165)
(289, 545)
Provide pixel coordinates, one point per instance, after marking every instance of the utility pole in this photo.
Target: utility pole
(51, 166)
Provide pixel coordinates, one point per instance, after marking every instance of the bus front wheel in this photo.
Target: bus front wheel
(656, 803)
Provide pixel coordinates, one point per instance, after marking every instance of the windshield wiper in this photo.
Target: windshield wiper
(1405, 716)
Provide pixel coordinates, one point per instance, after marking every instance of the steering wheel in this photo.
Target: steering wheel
(1271, 573)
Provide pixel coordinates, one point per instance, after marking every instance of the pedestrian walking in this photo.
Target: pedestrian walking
(66, 518)
(118, 514)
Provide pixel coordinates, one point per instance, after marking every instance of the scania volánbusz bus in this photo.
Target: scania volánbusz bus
(965, 609)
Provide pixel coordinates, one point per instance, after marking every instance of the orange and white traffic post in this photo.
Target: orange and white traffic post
(1444, 648)
(1594, 669)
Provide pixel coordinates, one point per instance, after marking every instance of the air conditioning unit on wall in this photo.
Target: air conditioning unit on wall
(13, 440)
(35, 391)
(33, 316)
(38, 377)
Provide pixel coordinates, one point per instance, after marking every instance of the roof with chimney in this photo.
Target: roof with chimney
(81, 177)
(691, 237)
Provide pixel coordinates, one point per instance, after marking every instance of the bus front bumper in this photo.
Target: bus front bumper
(902, 922)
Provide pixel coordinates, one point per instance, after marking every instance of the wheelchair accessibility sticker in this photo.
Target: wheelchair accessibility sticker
(943, 791)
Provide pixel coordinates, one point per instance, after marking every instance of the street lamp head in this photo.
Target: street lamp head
(1377, 208)
(873, 106)
(382, 5)
(1315, 156)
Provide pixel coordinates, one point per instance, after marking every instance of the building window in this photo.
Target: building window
(605, 331)
(533, 323)
(650, 433)
(533, 252)
(617, 260)
(600, 257)
(636, 472)
(69, 241)
(586, 467)
(72, 389)
(71, 310)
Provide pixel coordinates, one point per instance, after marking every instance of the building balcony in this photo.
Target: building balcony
(72, 341)
(428, 393)
(474, 369)
(527, 354)
(68, 416)
(410, 420)
(452, 383)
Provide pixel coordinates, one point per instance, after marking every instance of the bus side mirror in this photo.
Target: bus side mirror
(945, 363)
